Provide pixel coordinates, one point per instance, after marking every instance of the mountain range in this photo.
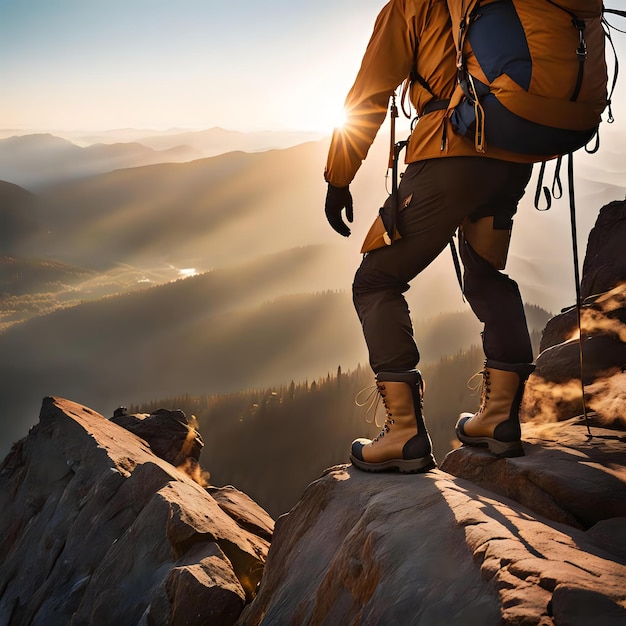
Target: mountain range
(38, 159)
(226, 209)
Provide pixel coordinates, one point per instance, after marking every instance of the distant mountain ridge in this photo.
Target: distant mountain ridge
(216, 140)
(37, 160)
(34, 161)
(207, 212)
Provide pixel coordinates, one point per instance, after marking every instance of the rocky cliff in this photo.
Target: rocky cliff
(113, 521)
(98, 529)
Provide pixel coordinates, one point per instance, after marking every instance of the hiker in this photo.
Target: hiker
(447, 184)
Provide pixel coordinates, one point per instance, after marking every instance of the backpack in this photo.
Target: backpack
(532, 74)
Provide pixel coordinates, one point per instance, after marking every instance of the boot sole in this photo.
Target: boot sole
(502, 449)
(404, 466)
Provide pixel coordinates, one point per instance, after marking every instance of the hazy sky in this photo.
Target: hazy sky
(243, 64)
(96, 64)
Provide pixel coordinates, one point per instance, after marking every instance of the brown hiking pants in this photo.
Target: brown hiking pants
(435, 196)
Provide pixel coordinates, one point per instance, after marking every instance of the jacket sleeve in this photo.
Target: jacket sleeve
(386, 63)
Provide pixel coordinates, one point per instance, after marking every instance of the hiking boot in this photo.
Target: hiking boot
(403, 444)
(496, 423)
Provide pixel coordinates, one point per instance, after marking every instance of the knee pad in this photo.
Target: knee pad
(489, 238)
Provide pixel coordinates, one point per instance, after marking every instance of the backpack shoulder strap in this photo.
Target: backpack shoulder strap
(460, 12)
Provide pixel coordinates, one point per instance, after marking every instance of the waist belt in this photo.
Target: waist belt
(435, 105)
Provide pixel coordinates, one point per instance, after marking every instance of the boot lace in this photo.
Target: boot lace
(484, 384)
(375, 394)
(372, 401)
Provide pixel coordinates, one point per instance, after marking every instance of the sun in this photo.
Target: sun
(336, 119)
(324, 119)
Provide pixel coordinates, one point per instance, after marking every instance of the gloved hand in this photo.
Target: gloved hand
(338, 199)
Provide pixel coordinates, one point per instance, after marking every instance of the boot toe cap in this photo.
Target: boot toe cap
(357, 448)
(463, 419)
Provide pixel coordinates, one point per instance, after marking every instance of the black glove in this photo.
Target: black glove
(338, 199)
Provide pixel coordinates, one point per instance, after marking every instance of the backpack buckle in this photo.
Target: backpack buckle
(581, 51)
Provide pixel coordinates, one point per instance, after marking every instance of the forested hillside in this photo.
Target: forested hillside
(272, 442)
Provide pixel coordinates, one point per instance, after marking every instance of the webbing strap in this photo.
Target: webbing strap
(418, 78)
(581, 55)
(615, 12)
(555, 192)
(607, 34)
(435, 105)
(395, 149)
(457, 264)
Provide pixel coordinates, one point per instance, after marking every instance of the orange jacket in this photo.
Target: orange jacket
(406, 31)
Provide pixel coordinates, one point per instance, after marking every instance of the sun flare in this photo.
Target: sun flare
(337, 119)
(325, 120)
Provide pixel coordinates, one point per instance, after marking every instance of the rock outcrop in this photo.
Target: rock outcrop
(564, 476)
(98, 529)
(554, 390)
(605, 259)
(439, 549)
(168, 432)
